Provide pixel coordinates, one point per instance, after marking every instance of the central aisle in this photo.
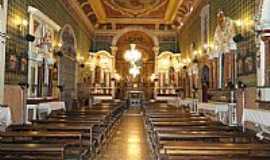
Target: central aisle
(129, 141)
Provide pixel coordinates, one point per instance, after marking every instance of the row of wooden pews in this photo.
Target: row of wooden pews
(78, 134)
(177, 134)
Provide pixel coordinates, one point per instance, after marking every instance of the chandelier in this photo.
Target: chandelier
(134, 71)
(132, 56)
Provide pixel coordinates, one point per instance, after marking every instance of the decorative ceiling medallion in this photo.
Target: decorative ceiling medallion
(135, 8)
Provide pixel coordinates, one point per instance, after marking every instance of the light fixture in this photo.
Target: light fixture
(153, 77)
(132, 55)
(117, 76)
(134, 71)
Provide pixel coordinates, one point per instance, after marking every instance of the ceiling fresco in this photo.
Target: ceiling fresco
(135, 8)
(118, 14)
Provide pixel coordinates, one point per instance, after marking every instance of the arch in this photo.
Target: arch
(69, 42)
(165, 53)
(205, 79)
(205, 75)
(130, 29)
(104, 53)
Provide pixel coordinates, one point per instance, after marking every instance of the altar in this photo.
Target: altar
(220, 111)
(135, 98)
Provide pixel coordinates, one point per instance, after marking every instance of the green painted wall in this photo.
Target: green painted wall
(16, 44)
(235, 9)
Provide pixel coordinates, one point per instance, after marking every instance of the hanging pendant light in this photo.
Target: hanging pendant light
(132, 55)
(134, 71)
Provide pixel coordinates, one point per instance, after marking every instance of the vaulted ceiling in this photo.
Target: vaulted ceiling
(163, 15)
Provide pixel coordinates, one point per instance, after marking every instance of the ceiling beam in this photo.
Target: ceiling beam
(98, 8)
(172, 10)
(134, 21)
(74, 9)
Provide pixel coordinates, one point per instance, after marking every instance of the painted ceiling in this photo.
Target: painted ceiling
(118, 14)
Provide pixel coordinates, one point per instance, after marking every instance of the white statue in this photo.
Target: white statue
(223, 38)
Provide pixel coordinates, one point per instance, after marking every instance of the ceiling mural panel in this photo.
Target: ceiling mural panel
(163, 15)
(135, 8)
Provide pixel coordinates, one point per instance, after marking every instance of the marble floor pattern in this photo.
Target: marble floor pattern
(129, 142)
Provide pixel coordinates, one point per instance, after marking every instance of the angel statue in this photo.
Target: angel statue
(223, 38)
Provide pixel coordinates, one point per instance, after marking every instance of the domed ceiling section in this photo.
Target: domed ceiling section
(162, 15)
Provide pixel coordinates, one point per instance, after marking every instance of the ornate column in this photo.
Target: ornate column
(266, 41)
(107, 82)
(263, 55)
(156, 51)
(114, 50)
(167, 81)
(102, 73)
(3, 21)
(161, 82)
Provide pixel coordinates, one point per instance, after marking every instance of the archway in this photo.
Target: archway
(145, 44)
(205, 82)
(67, 70)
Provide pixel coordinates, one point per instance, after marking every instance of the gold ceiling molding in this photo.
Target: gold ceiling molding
(78, 15)
(172, 10)
(134, 21)
(133, 12)
(98, 9)
(196, 5)
(164, 14)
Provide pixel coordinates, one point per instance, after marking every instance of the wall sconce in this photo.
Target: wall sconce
(80, 60)
(21, 24)
(117, 77)
(57, 50)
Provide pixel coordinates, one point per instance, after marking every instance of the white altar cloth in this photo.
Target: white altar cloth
(188, 101)
(51, 106)
(5, 116)
(257, 116)
(214, 106)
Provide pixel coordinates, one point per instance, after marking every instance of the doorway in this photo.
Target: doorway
(205, 83)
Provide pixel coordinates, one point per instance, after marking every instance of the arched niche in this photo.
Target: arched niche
(145, 43)
(131, 29)
(68, 67)
(68, 40)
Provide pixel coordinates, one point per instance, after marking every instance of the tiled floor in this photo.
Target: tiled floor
(130, 140)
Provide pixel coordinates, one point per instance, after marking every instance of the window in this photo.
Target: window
(205, 24)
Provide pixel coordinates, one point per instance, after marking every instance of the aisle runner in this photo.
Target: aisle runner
(129, 142)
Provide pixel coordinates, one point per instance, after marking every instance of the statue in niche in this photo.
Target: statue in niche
(68, 40)
(225, 31)
(249, 65)
(172, 75)
(12, 65)
(23, 65)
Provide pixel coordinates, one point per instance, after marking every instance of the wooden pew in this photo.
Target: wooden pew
(181, 151)
(190, 123)
(200, 135)
(26, 151)
(178, 135)
(60, 127)
(177, 119)
(196, 128)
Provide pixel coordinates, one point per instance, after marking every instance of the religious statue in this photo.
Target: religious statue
(223, 38)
